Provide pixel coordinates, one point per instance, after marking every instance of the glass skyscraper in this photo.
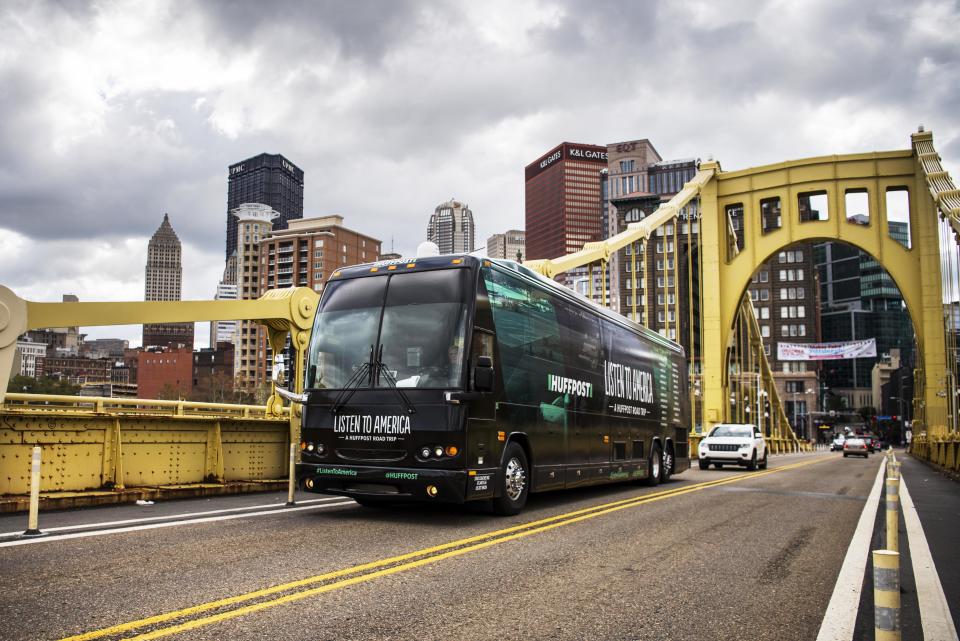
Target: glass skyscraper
(267, 179)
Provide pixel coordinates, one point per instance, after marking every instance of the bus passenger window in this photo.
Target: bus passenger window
(528, 336)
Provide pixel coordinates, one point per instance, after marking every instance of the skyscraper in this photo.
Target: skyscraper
(451, 227)
(860, 300)
(563, 199)
(162, 281)
(253, 224)
(508, 245)
(268, 179)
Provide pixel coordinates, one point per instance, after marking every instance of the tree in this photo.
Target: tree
(169, 392)
(218, 388)
(44, 385)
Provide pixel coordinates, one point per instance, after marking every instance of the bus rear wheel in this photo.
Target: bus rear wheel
(514, 484)
(654, 466)
(668, 463)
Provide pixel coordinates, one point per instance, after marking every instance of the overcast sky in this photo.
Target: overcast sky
(112, 113)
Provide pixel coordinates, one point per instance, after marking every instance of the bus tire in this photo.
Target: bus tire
(668, 462)
(514, 479)
(654, 466)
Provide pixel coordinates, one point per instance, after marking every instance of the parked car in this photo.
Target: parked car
(855, 445)
(733, 444)
(837, 444)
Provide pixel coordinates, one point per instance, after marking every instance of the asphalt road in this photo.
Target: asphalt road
(754, 558)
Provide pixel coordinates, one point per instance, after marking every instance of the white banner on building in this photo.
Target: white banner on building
(826, 351)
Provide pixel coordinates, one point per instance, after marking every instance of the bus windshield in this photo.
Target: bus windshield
(414, 322)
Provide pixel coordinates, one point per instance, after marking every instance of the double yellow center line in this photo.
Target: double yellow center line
(186, 619)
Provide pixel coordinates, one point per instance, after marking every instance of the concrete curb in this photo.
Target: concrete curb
(67, 500)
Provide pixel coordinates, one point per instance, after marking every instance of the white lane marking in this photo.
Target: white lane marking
(935, 618)
(184, 515)
(154, 526)
(841, 615)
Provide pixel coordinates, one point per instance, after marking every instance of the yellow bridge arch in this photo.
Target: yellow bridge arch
(916, 270)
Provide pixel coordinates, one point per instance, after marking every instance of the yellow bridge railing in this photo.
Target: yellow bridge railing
(103, 450)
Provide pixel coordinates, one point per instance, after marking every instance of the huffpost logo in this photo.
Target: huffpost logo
(563, 385)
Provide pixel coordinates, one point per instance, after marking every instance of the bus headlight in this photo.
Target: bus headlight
(424, 452)
(438, 451)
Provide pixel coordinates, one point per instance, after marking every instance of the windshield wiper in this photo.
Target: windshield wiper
(353, 384)
(380, 368)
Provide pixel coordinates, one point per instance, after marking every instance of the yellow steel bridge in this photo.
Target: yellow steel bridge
(100, 445)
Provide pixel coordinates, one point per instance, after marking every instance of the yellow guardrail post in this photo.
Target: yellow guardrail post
(893, 513)
(293, 467)
(33, 521)
(886, 595)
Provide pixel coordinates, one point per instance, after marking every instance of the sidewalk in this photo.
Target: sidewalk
(937, 499)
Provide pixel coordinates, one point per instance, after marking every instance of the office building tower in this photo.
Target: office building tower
(163, 275)
(224, 331)
(267, 179)
(254, 223)
(563, 199)
(859, 300)
(628, 167)
(563, 207)
(305, 255)
(451, 228)
(509, 245)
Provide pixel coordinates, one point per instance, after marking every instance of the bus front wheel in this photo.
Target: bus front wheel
(514, 481)
(654, 466)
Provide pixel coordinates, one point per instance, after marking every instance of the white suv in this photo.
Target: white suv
(733, 444)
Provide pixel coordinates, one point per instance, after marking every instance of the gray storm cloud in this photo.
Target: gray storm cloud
(114, 113)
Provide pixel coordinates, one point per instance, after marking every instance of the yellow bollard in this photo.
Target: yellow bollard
(886, 595)
(33, 525)
(292, 473)
(893, 514)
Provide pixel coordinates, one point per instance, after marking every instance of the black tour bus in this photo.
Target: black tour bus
(455, 378)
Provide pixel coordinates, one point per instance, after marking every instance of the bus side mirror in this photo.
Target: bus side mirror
(277, 376)
(483, 374)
